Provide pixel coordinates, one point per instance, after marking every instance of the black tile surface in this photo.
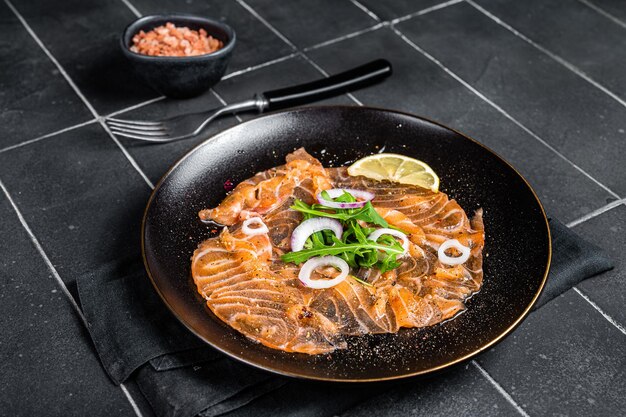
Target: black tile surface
(575, 117)
(418, 86)
(48, 364)
(573, 31)
(608, 291)
(387, 10)
(32, 88)
(84, 200)
(94, 60)
(307, 23)
(154, 160)
(292, 71)
(461, 391)
(565, 359)
(81, 197)
(255, 42)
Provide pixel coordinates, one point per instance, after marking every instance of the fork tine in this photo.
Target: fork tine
(142, 137)
(138, 127)
(139, 132)
(133, 122)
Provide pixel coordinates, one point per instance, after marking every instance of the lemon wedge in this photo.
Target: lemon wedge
(396, 168)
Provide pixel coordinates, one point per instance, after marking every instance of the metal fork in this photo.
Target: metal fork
(189, 125)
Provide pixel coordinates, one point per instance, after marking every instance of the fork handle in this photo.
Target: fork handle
(334, 85)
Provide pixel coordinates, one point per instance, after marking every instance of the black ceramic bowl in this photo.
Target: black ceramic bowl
(180, 77)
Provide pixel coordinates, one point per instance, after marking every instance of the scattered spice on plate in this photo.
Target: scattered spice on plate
(170, 40)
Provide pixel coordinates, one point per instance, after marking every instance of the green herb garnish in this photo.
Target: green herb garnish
(353, 247)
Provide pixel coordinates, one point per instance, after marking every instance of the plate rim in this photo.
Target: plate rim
(440, 367)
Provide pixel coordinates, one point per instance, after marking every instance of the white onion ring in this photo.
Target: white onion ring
(449, 260)
(308, 227)
(396, 233)
(260, 230)
(309, 266)
(365, 196)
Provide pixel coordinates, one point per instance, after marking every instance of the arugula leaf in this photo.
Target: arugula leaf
(367, 213)
(357, 279)
(338, 248)
(370, 215)
(354, 246)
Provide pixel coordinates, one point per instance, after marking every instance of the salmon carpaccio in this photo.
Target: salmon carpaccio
(247, 285)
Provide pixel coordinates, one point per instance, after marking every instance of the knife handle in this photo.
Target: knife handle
(337, 84)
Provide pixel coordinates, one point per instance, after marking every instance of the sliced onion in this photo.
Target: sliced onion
(308, 227)
(396, 233)
(449, 260)
(260, 229)
(309, 266)
(365, 196)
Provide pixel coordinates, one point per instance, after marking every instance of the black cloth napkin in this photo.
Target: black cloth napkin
(134, 334)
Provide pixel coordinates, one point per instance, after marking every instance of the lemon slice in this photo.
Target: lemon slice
(396, 168)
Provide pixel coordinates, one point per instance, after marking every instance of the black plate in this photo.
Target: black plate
(517, 251)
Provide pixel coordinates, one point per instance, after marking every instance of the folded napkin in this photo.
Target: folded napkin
(136, 336)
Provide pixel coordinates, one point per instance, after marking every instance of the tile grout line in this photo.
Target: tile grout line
(57, 277)
(76, 89)
(604, 13)
(595, 213)
(43, 254)
(288, 42)
(131, 400)
(88, 122)
(425, 11)
(344, 37)
(136, 106)
(258, 66)
(549, 53)
(583, 295)
(599, 310)
(52, 58)
(132, 160)
(224, 103)
(366, 10)
(266, 23)
(500, 389)
(407, 16)
(325, 74)
(132, 8)
(382, 24)
(367, 30)
(48, 135)
(500, 110)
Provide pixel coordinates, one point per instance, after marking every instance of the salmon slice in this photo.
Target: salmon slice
(301, 177)
(248, 286)
(232, 273)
